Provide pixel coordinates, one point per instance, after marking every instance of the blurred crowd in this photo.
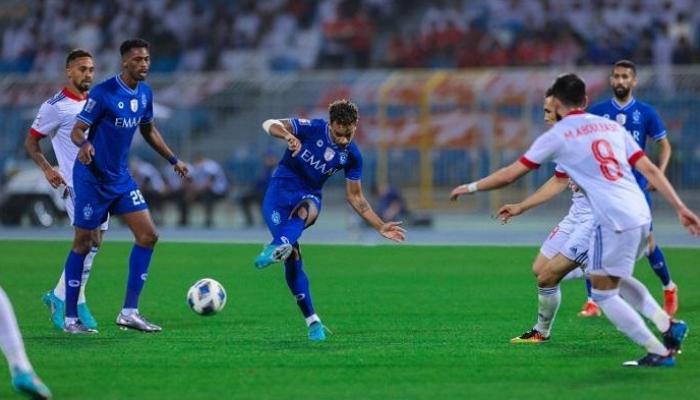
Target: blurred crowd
(201, 35)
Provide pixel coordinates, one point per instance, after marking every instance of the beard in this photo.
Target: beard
(621, 92)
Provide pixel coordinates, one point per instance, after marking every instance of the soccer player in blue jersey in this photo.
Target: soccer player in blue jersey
(643, 123)
(316, 149)
(114, 110)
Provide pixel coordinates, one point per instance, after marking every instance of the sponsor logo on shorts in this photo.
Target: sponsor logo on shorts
(144, 276)
(74, 283)
(276, 219)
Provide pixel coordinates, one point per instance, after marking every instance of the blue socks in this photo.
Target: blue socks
(588, 288)
(290, 232)
(74, 272)
(299, 285)
(658, 264)
(139, 261)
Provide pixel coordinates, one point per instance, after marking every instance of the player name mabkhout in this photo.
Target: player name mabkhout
(590, 128)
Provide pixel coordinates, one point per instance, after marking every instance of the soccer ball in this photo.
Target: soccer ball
(206, 297)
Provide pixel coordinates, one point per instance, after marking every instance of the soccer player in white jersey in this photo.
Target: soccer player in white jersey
(598, 155)
(55, 120)
(566, 247)
(24, 379)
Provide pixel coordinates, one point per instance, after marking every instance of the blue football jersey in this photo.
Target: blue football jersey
(638, 118)
(319, 157)
(114, 111)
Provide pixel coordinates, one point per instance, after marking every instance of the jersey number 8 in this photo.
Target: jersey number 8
(609, 165)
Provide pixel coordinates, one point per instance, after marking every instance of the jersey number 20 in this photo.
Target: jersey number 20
(609, 166)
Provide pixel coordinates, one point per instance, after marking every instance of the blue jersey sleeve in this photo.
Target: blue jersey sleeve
(148, 114)
(655, 126)
(353, 170)
(304, 128)
(94, 107)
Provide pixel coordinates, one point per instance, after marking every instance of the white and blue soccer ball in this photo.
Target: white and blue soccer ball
(206, 297)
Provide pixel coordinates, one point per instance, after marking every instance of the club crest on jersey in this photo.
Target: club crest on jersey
(87, 212)
(329, 154)
(343, 158)
(621, 119)
(134, 105)
(89, 105)
(636, 116)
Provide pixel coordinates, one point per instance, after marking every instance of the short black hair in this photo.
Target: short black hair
(549, 92)
(570, 89)
(626, 64)
(129, 44)
(75, 54)
(343, 112)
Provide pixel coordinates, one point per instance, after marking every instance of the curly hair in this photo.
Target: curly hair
(343, 112)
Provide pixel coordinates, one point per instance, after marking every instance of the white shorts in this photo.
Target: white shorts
(614, 253)
(70, 207)
(571, 237)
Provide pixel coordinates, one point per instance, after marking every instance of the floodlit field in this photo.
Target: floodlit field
(408, 322)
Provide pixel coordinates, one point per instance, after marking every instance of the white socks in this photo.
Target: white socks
(60, 289)
(10, 337)
(638, 296)
(627, 321)
(548, 301)
(311, 319)
(129, 311)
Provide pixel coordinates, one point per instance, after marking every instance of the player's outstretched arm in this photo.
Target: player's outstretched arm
(79, 138)
(664, 157)
(503, 177)
(546, 192)
(391, 230)
(31, 144)
(282, 129)
(687, 218)
(152, 135)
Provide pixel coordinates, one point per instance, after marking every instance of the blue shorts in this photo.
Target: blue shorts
(94, 201)
(281, 200)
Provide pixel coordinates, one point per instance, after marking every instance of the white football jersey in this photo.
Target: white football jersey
(580, 206)
(597, 154)
(55, 119)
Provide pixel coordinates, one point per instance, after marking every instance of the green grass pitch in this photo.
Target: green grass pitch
(408, 322)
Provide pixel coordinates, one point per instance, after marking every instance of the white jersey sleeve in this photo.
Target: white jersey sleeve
(542, 150)
(47, 121)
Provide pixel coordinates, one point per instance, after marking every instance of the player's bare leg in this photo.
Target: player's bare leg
(549, 272)
(145, 238)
